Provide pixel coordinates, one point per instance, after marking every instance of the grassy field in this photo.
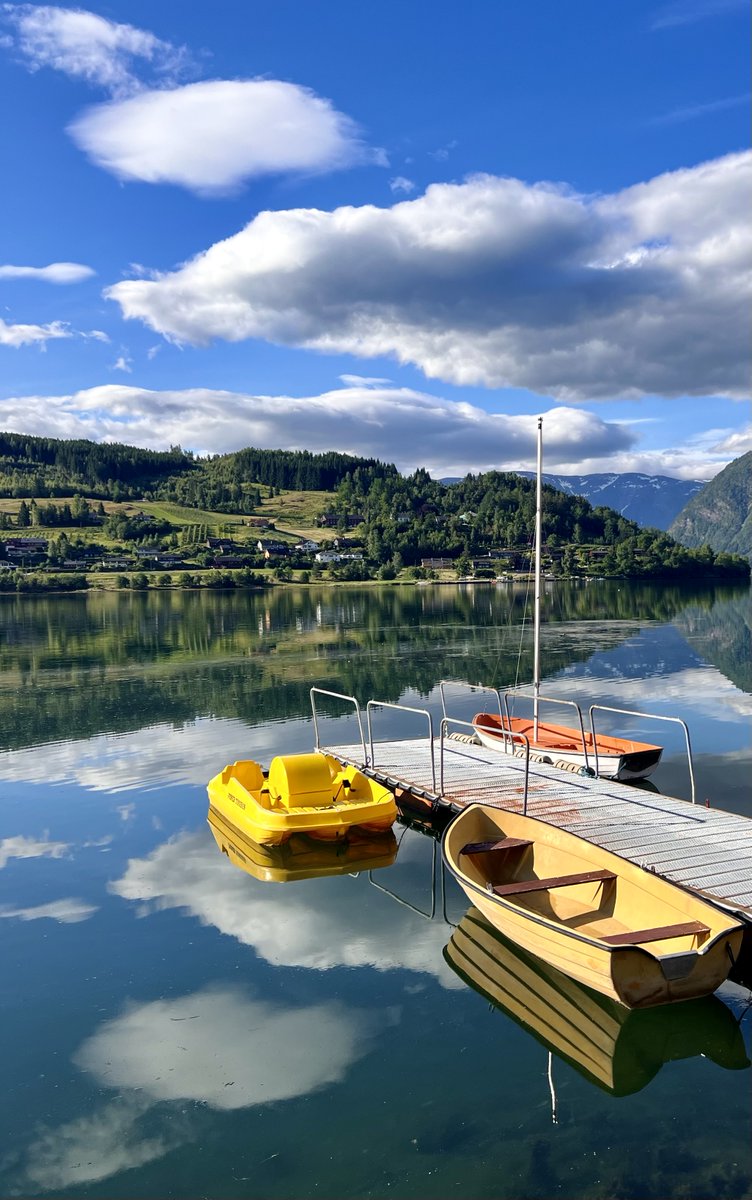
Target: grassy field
(296, 512)
(293, 515)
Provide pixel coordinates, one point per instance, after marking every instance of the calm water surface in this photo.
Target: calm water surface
(174, 1026)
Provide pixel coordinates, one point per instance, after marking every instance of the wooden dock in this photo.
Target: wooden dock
(705, 850)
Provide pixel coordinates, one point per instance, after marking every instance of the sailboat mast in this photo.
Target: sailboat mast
(536, 623)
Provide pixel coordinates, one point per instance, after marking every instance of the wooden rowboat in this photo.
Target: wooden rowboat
(617, 758)
(614, 1047)
(606, 922)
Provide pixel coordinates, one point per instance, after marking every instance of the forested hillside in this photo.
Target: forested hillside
(42, 467)
(721, 514)
(119, 508)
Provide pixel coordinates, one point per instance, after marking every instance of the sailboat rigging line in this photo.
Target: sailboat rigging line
(522, 630)
(536, 629)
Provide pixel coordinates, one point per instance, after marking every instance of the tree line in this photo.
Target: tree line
(53, 467)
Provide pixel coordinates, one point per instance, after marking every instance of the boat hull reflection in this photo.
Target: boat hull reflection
(301, 857)
(618, 1049)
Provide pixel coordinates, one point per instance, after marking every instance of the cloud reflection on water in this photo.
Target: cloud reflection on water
(288, 925)
(218, 1047)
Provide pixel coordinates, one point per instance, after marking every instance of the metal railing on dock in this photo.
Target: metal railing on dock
(503, 695)
(629, 712)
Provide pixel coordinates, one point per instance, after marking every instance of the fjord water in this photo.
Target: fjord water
(174, 1026)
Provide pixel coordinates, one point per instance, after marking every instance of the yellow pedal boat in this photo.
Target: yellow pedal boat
(300, 857)
(302, 793)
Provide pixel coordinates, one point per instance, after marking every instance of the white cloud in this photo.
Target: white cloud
(494, 282)
(687, 12)
(123, 363)
(86, 46)
(691, 112)
(443, 152)
(58, 272)
(401, 183)
(26, 847)
(394, 424)
(67, 912)
(189, 873)
(30, 335)
(363, 380)
(211, 136)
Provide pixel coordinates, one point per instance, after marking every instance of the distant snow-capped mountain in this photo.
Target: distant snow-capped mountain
(653, 500)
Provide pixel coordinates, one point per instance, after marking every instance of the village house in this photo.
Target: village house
(437, 564)
(272, 549)
(16, 547)
(227, 560)
(113, 564)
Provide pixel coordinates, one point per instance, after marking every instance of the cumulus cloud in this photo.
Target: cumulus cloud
(31, 335)
(366, 417)
(86, 46)
(58, 272)
(401, 183)
(123, 363)
(210, 136)
(493, 281)
(398, 425)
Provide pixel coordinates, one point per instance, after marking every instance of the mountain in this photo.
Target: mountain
(721, 514)
(652, 500)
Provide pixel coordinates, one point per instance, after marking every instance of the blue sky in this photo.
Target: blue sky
(386, 228)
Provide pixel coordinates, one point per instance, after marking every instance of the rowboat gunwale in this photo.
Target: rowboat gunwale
(578, 1024)
(618, 757)
(611, 969)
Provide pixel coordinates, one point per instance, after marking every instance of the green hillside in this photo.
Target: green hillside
(82, 510)
(720, 516)
(52, 467)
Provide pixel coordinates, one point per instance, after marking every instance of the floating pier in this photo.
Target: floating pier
(705, 850)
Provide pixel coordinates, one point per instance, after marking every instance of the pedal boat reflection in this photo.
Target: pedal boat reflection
(301, 857)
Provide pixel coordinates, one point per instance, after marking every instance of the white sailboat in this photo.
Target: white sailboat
(612, 757)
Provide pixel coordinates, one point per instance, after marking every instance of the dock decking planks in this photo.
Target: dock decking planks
(703, 849)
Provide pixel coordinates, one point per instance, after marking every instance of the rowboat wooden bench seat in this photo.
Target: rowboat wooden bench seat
(604, 921)
(636, 936)
(497, 844)
(542, 885)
